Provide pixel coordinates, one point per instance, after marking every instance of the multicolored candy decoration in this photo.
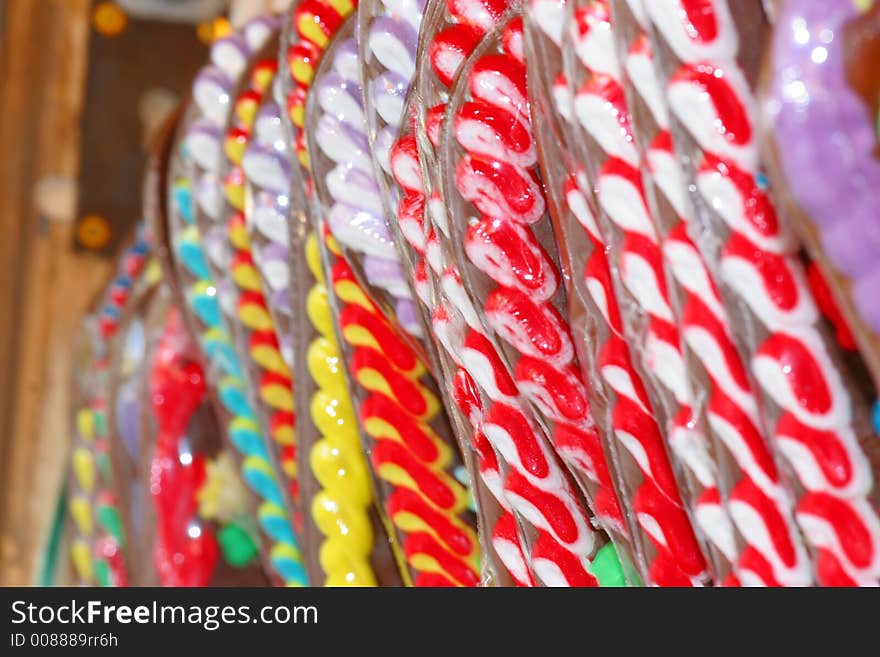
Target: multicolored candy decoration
(342, 498)
(202, 248)
(425, 503)
(271, 369)
(98, 544)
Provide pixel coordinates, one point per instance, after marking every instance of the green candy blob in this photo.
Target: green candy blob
(606, 567)
(238, 547)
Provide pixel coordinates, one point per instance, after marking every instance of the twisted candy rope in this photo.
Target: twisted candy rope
(446, 53)
(389, 52)
(353, 217)
(637, 256)
(355, 214)
(303, 57)
(496, 174)
(275, 383)
(425, 503)
(794, 365)
(213, 337)
(80, 505)
(548, 91)
(460, 25)
(656, 501)
(341, 508)
(481, 375)
(601, 107)
(314, 23)
(202, 155)
(731, 409)
(97, 548)
(134, 270)
(267, 204)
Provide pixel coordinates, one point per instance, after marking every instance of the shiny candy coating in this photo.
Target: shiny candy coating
(495, 174)
(794, 365)
(600, 110)
(215, 338)
(811, 94)
(341, 509)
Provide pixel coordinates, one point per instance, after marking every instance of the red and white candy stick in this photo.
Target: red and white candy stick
(731, 418)
(453, 32)
(811, 413)
(587, 307)
(469, 21)
(626, 231)
(532, 484)
(495, 175)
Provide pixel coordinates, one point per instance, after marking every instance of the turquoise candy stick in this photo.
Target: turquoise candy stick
(243, 429)
(220, 352)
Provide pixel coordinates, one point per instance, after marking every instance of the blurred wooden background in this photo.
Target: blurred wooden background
(44, 285)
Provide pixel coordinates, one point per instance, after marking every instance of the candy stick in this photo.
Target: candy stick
(755, 258)
(111, 552)
(98, 541)
(422, 501)
(573, 223)
(522, 319)
(210, 88)
(356, 214)
(602, 106)
(635, 279)
(271, 368)
(81, 487)
(341, 509)
(503, 546)
(498, 525)
(264, 346)
(267, 201)
(449, 319)
(387, 53)
(395, 413)
(364, 557)
(439, 281)
(707, 342)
